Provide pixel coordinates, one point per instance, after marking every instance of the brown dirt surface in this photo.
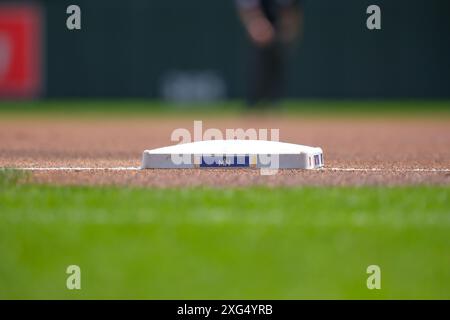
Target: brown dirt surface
(392, 150)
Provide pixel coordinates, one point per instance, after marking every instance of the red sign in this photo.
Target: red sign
(20, 51)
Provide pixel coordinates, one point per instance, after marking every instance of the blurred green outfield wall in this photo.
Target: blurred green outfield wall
(128, 48)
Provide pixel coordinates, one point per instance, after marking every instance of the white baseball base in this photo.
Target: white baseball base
(234, 154)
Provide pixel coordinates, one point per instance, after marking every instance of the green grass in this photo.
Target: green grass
(134, 107)
(224, 243)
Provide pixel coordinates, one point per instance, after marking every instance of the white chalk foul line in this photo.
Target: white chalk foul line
(74, 169)
(388, 169)
(400, 170)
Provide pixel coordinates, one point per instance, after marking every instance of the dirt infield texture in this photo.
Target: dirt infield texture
(395, 147)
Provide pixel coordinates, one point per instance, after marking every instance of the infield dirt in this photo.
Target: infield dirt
(394, 146)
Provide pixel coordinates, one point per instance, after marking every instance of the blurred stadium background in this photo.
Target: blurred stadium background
(306, 235)
(193, 50)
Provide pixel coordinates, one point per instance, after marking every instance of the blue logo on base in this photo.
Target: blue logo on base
(225, 161)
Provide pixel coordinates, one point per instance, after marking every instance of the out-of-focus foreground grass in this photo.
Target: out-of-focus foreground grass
(223, 243)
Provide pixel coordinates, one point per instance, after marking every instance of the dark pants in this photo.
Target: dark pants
(265, 74)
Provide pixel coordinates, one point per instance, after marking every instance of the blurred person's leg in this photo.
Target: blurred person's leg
(259, 74)
(275, 75)
(266, 75)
